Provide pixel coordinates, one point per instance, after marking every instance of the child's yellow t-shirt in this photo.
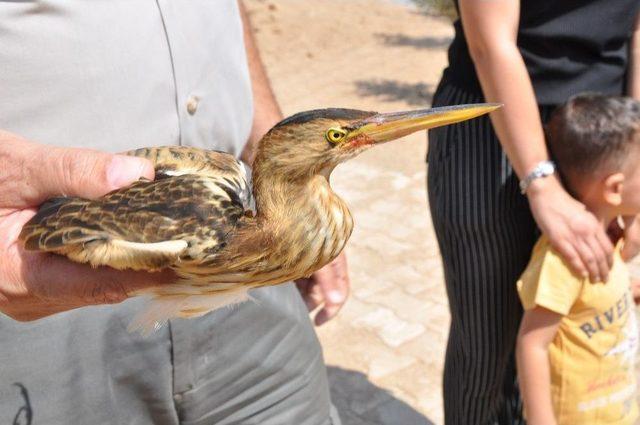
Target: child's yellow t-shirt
(592, 356)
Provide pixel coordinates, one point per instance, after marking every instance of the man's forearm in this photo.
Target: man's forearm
(265, 106)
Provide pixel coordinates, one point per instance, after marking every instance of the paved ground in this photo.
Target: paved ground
(385, 351)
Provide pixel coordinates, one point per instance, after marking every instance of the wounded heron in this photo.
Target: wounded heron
(198, 216)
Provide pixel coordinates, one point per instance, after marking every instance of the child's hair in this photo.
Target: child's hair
(590, 133)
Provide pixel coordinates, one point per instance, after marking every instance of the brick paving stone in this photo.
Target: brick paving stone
(389, 327)
(402, 304)
(382, 366)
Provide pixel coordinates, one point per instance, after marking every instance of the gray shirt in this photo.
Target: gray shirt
(115, 75)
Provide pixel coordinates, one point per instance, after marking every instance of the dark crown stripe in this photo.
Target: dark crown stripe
(330, 113)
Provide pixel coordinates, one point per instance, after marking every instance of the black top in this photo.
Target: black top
(569, 46)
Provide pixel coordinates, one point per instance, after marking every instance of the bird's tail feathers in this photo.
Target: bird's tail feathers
(161, 308)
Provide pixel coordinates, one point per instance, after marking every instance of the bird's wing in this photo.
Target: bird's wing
(146, 226)
(180, 160)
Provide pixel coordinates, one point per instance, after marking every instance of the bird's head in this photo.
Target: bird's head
(314, 142)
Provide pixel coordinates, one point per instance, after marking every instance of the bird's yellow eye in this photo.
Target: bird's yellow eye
(335, 135)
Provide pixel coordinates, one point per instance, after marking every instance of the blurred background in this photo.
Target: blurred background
(385, 350)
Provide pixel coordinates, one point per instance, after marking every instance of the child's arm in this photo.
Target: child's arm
(537, 330)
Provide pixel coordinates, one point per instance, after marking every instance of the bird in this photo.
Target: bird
(221, 234)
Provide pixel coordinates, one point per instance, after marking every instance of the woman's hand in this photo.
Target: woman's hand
(573, 231)
(491, 30)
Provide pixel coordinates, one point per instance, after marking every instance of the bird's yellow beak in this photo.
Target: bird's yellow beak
(385, 127)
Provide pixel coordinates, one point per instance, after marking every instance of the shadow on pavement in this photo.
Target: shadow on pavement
(403, 40)
(419, 94)
(360, 402)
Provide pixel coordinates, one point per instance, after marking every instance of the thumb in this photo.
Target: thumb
(85, 173)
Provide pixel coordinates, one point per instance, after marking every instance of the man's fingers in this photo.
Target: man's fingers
(32, 172)
(55, 277)
(333, 282)
(328, 287)
(36, 285)
(333, 287)
(315, 296)
(310, 293)
(302, 285)
(56, 283)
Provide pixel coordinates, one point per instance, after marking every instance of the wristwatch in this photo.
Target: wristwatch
(543, 169)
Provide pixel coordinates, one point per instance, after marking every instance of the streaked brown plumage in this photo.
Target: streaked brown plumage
(197, 217)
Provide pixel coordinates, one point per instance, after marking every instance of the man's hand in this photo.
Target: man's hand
(34, 285)
(328, 287)
(572, 230)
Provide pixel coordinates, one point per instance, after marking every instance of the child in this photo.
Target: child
(577, 341)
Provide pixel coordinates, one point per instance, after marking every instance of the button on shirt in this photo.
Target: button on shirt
(116, 75)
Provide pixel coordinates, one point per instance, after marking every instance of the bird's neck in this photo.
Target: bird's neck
(283, 198)
(304, 213)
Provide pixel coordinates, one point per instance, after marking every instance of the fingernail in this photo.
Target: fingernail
(335, 297)
(124, 170)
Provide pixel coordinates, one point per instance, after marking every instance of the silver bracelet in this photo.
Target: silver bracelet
(542, 169)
